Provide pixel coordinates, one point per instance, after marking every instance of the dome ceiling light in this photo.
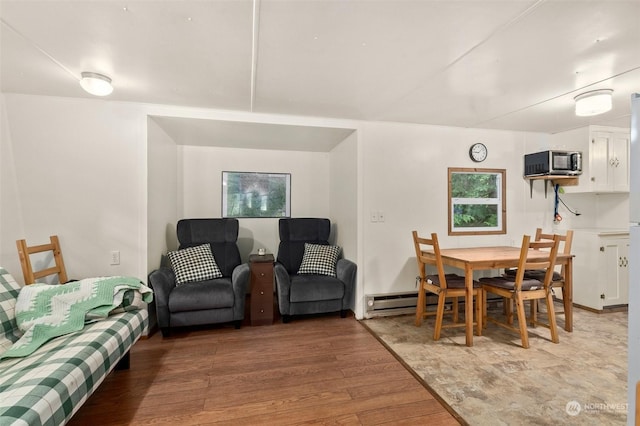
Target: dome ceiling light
(96, 84)
(593, 103)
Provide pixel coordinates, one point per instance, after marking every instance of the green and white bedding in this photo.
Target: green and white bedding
(46, 311)
(48, 386)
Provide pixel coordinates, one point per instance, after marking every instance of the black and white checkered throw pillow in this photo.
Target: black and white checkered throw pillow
(319, 259)
(194, 264)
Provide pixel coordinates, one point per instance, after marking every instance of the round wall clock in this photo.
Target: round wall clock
(478, 152)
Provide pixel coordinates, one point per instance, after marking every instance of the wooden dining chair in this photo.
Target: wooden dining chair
(558, 280)
(441, 284)
(31, 275)
(518, 289)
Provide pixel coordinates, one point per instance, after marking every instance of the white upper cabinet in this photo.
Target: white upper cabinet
(609, 161)
(605, 157)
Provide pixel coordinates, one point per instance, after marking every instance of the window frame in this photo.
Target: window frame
(501, 203)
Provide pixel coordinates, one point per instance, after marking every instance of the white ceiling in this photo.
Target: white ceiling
(513, 65)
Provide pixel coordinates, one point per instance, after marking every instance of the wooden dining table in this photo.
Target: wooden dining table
(499, 257)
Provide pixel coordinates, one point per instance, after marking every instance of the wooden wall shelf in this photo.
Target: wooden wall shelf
(555, 179)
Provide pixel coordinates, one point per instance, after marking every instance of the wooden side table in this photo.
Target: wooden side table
(261, 289)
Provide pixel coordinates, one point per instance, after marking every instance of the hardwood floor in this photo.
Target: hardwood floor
(315, 370)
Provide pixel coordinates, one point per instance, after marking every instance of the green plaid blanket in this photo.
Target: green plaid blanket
(46, 311)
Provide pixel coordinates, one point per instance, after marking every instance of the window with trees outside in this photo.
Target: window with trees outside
(477, 203)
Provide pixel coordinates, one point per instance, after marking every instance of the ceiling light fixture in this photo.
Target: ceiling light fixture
(96, 84)
(593, 103)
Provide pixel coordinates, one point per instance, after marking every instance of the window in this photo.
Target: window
(477, 202)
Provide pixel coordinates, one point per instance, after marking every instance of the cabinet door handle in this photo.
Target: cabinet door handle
(261, 292)
(620, 262)
(262, 311)
(262, 274)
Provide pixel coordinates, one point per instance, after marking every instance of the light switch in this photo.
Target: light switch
(115, 257)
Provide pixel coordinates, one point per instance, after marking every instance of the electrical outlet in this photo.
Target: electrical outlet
(380, 216)
(115, 257)
(374, 216)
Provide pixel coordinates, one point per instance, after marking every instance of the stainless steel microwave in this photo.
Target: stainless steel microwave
(553, 163)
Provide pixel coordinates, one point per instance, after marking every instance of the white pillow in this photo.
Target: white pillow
(319, 259)
(194, 264)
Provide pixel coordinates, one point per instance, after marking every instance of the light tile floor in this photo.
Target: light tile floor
(580, 381)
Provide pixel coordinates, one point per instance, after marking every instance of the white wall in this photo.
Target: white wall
(162, 194)
(78, 168)
(75, 168)
(405, 178)
(201, 171)
(345, 202)
(343, 195)
(10, 206)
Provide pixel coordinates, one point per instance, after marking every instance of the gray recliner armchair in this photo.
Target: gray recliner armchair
(211, 301)
(310, 293)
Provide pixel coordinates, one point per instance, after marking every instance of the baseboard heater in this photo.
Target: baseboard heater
(377, 305)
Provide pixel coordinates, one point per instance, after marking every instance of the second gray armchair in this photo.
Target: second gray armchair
(310, 277)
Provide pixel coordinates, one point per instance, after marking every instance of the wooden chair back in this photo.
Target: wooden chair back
(547, 264)
(566, 240)
(31, 275)
(422, 244)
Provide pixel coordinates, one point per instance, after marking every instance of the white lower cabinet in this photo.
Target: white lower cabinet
(600, 268)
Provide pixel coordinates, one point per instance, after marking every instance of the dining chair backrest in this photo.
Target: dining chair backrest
(546, 263)
(566, 240)
(429, 244)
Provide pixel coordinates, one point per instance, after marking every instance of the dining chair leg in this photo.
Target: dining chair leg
(534, 312)
(484, 309)
(552, 318)
(565, 300)
(454, 307)
(522, 321)
(508, 305)
(479, 311)
(420, 306)
(439, 315)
